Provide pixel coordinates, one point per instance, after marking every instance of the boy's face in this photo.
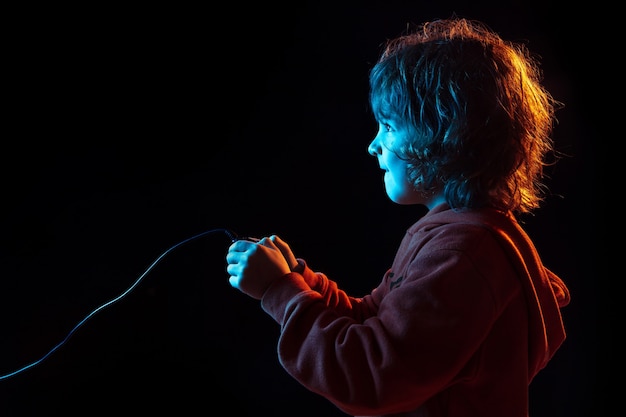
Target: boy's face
(398, 186)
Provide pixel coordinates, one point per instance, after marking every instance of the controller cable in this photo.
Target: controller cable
(231, 235)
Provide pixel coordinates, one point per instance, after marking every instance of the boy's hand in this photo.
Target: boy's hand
(254, 266)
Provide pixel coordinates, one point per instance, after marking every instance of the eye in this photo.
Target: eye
(385, 127)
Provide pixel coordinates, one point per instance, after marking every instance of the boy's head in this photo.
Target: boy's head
(480, 119)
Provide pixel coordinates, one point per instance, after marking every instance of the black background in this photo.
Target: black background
(130, 129)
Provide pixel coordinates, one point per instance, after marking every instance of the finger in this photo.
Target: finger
(234, 281)
(232, 269)
(268, 242)
(240, 245)
(279, 243)
(231, 258)
(284, 248)
(235, 258)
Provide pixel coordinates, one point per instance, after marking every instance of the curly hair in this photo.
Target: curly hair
(480, 117)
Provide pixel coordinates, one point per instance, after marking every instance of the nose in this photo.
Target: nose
(374, 147)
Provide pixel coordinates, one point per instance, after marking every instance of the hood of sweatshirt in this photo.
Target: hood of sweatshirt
(545, 292)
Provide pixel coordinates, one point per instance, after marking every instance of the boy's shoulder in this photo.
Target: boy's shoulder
(463, 229)
(444, 216)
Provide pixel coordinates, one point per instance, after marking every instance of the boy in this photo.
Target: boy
(467, 314)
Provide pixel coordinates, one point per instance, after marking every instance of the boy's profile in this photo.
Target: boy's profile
(467, 313)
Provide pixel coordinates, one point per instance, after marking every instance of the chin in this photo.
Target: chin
(405, 200)
(398, 199)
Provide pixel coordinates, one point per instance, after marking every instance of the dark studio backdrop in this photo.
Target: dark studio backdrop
(129, 130)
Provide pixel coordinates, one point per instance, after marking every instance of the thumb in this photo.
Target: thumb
(285, 250)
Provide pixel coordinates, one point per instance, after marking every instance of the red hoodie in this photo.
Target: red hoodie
(460, 324)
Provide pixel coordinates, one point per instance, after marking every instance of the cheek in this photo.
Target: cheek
(397, 181)
(398, 185)
(397, 169)
(399, 190)
(401, 181)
